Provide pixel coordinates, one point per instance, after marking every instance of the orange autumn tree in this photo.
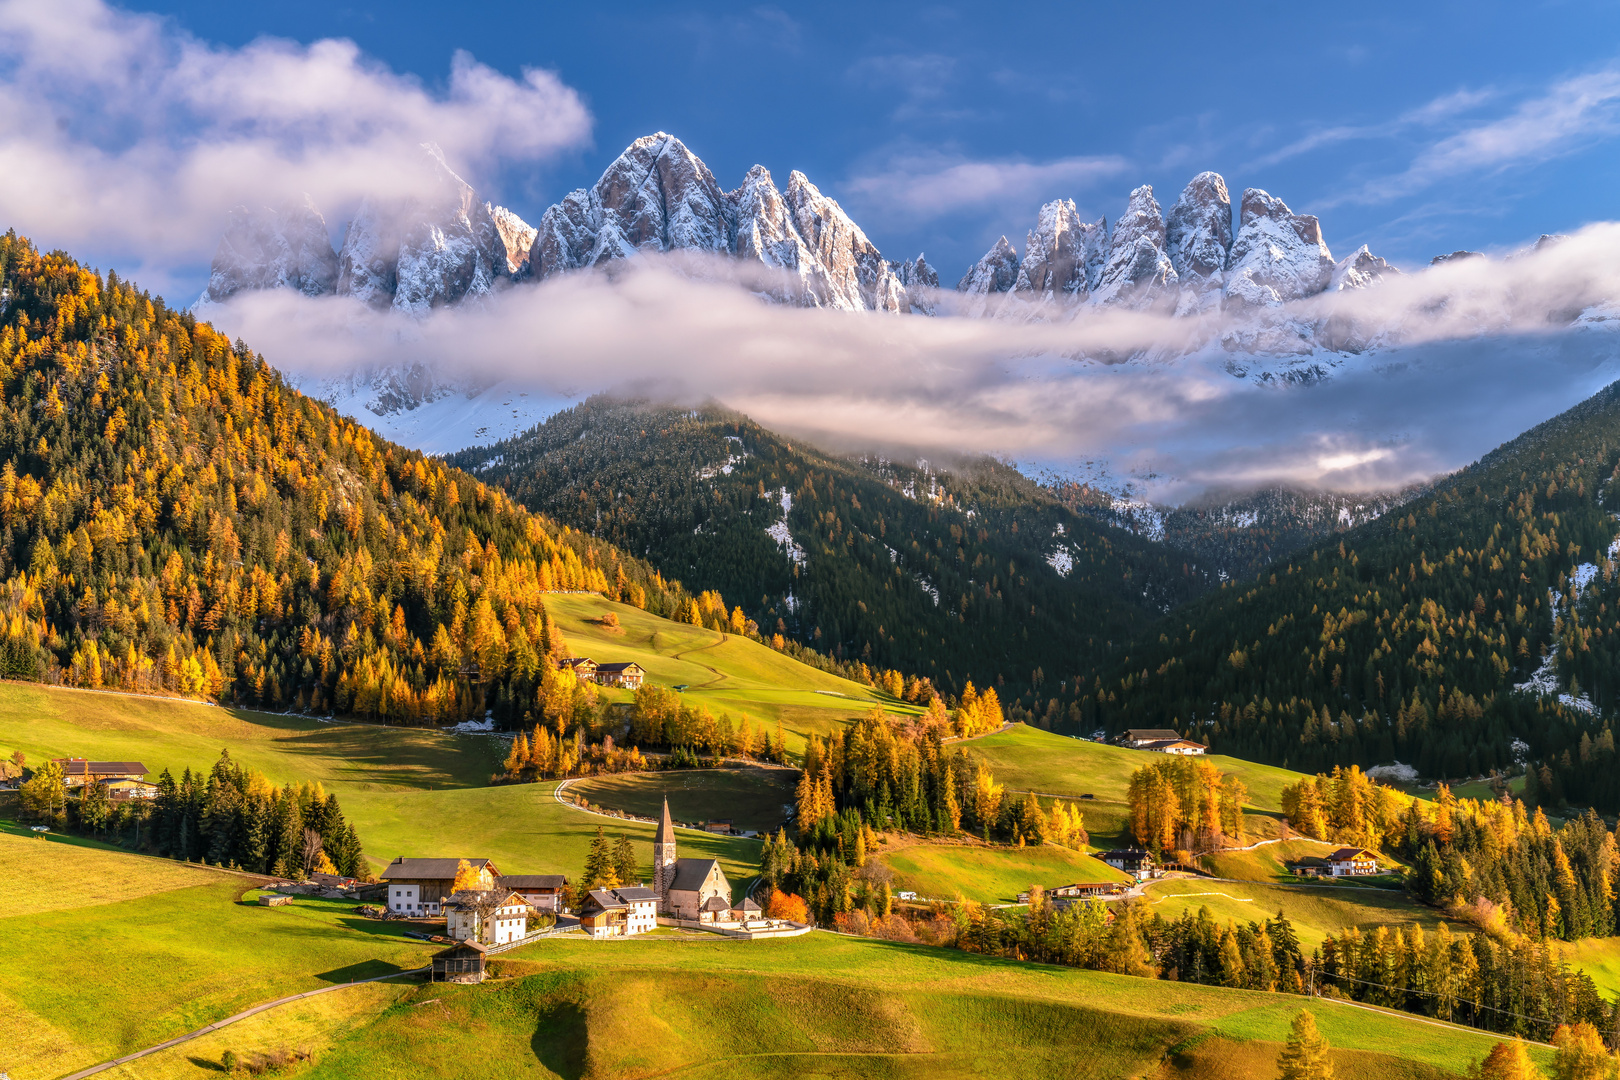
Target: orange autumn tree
(787, 907)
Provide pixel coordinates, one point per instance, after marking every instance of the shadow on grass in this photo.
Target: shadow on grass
(561, 1040)
(206, 1065)
(366, 969)
(391, 758)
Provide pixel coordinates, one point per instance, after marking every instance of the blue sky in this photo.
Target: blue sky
(1416, 128)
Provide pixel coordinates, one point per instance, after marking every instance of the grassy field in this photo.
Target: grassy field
(989, 875)
(1598, 957)
(48, 722)
(1269, 863)
(523, 828)
(81, 874)
(823, 1006)
(84, 983)
(1315, 910)
(1028, 759)
(754, 799)
(723, 673)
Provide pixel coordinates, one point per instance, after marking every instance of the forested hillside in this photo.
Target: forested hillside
(174, 518)
(974, 573)
(1406, 638)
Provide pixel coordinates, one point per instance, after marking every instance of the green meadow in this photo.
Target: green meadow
(1315, 910)
(825, 1006)
(723, 673)
(166, 949)
(989, 875)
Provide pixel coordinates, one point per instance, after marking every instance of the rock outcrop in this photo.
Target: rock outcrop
(1063, 256)
(1277, 255)
(1359, 270)
(1138, 273)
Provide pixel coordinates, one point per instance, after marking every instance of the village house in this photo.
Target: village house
(1352, 862)
(81, 772)
(419, 886)
(124, 788)
(582, 666)
(627, 675)
(1160, 740)
(685, 886)
(492, 916)
(543, 892)
(620, 912)
(1134, 861)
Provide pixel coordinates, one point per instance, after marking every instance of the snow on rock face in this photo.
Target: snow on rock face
(1455, 256)
(1359, 270)
(266, 248)
(1138, 272)
(655, 197)
(1198, 232)
(1278, 255)
(565, 235)
(1063, 256)
(996, 272)
(450, 247)
(920, 281)
(516, 234)
(858, 275)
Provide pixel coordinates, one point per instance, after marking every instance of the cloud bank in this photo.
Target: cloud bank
(122, 134)
(1453, 361)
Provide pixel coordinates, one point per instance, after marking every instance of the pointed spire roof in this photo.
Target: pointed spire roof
(666, 827)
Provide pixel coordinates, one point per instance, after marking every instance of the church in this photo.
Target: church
(694, 889)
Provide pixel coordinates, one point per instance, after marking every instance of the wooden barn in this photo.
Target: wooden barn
(461, 963)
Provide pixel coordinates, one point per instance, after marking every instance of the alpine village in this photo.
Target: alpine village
(347, 733)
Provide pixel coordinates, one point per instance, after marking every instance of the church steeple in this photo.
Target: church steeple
(664, 856)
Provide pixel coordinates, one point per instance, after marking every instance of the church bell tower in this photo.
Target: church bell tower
(664, 858)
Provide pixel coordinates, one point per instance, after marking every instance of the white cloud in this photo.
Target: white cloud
(1572, 113)
(122, 135)
(926, 186)
(1475, 352)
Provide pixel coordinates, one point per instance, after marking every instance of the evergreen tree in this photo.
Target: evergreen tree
(598, 861)
(624, 861)
(1305, 1055)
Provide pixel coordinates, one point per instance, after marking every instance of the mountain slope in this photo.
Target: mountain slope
(976, 572)
(173, 517)
(1481, 613)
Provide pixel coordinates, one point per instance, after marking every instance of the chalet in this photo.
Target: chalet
(1134, 861)
(492, 916)
(719, 825)
(81, 771)
(543, 892)
(1352, 862)
(124, 788)
(1161, 741)
(626, 675)
(1062, 896)
(582, 666)
(684, 886)
(461, 963)
(419, 886)
(621, 912)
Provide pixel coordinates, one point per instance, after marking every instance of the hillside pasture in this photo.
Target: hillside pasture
(1315, 910)
(755, 799)
(46, 722)
(831, 1006)
(95, 981)
(989, 874)
(723, 673)
(40, 874)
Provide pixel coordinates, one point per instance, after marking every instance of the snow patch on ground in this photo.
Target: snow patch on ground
(1061, 561)
(928, 587)
(467, 727)
(778, 530)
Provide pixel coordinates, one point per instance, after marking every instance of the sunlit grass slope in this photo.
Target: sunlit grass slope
(722, 672)
(82, 984)
(824, 1006)
(989, 875)
(1315, 910)
(1029, 759)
